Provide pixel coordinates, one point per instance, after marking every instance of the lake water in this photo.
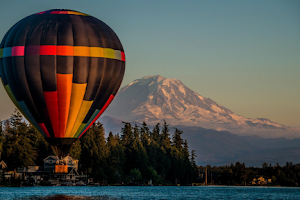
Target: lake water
(147, 192)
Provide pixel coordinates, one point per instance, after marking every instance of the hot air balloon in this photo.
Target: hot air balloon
(61, 68)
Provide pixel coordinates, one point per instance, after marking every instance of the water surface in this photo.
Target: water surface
(147, 192)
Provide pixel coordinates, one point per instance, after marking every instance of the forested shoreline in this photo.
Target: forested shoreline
(136, 155)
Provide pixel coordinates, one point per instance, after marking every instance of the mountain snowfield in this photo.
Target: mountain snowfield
(154, 98)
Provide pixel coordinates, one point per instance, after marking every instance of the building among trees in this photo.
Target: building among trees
(51, 163)
(260, 180)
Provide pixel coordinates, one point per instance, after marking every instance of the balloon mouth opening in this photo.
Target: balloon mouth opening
(61, 146)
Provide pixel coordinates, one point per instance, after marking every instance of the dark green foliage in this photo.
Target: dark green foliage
(194, 165)
(94, 152)
(165, 136)
(239, 174)
(18, 143)
(116, 158)
(75, 150)
(177, 141)
(135, 173)
(40, 145)
(138, 155)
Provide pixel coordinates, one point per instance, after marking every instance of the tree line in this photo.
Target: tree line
(239, 174)
(136, 155)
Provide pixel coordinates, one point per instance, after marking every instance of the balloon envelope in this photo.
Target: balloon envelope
(61, 68)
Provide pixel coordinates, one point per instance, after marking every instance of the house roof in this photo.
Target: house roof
(3, 164)
(70, 158)
(52, 157)
(261, 176)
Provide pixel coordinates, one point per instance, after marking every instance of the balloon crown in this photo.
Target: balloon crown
(62, 11)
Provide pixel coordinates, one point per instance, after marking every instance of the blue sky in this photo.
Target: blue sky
(242, 54)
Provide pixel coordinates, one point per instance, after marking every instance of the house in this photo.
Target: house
(260, 180)
(29, 169)
(3, 165)
(49, 163)
(24, 173)
(31, 174)
(65, 178)
(71, 162)
(54, 164)
(8, 175)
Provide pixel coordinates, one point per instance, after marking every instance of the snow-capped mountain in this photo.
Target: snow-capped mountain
(154, 98)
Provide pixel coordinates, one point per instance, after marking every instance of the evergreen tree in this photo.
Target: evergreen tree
(193, 162)
(100, 147)
(116, 158)
(185, 150)
(177, 141)
(145, 137)
(127, 136)
(165, 141)
(39, 143)
(175, 171)
(155, 133)
(17, 149)
(87, 151)
(136, 155)
(75, 150)
(99, 152)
